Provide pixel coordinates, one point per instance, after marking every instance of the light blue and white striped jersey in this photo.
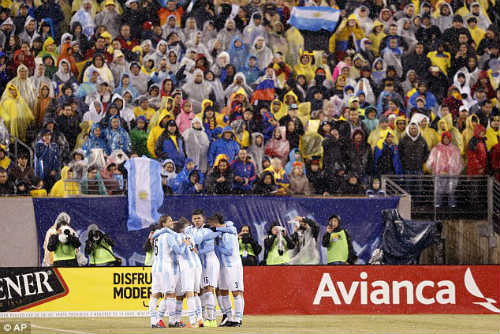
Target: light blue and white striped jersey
(186, 258)
(204, 239)
(228, 250)
(190, 231)
(165, 252)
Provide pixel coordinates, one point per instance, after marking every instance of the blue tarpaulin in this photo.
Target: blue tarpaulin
(360, 216)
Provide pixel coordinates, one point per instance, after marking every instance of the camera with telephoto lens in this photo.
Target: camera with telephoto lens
(246, 238)
(65, 233)
(95, 236)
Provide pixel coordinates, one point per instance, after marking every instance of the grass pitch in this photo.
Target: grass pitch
(338, 324)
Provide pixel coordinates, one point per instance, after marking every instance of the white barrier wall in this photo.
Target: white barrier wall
(18, 235)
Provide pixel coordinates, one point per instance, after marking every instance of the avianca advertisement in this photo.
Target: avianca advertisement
(268, 290)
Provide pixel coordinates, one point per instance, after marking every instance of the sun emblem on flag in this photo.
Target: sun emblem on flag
(317, 14)
(143, 195)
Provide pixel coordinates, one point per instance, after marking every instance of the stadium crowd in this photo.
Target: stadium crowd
(234, 100)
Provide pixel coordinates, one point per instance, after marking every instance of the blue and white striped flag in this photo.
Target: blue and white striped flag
(145, 193)
(314, 18)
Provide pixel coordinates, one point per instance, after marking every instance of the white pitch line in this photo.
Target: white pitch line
(61, 330)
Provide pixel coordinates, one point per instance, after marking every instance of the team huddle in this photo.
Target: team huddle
(200, 262)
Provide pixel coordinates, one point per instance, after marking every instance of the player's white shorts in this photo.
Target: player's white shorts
(197, 279)
(158, 282)
(211, 271)
(163, 282)
(185, 282)
(231, 278)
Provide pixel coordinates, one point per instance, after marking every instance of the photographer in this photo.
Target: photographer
(338, 243)
(249, 248)
(277, 244)
(64, 244)
(99, 248)
(304, 237)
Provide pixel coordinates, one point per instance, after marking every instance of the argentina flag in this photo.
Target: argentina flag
(145, 193)
(314, 18)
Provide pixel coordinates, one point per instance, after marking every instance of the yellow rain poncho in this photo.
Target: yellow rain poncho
(15, 112)
(468, 133)
(446, 124)
(308, 69)
(295, 44)
(62, 188)
(310, 144)
(429, 134)
(156, 132)
(492, 137)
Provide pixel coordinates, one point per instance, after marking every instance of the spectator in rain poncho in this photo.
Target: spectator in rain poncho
(24, 86)
(254, 29)
(126, 85)
(392, 54)
(227, 34)
(64, 75)
(239, 82)
(238, 53)
(221, 61)
(363, 15)
(99, 65)
(443, 15)
(198, 90)
(216, 85)
(405, 31)
(40, 76)
(278, 146)
(263, 54)
(85, 17)
(110, 18)
(256, 150)
(184, 118)
(138, 79)
(197, 144)
(116, 137)
(15, 112)
(96, 140)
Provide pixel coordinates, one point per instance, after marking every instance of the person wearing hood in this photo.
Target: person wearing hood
(15, 112)
(416, 60)
(116, 137)
(491, 37)
(413, 150)
(430, 100)
(92, 183)
(227, 34)
(376, 36)
(265, 185)
(197, 144)
(139, 137)
(110, 18)
(338, 243)
(305, 66)
(428, 34)
(429, 134)
(156, 130)
(47, 161)
(67, 123)
(359, 156)
(168, 176)
(256, 150)
(279, 175)
(198, 90)
(220, 178)
(244, 171)
(96, 140)
(445, 162)
(299, 184)
(363, 16)
(185, 117)
(192, 184)
(28, 34)
(445, 124)
(251, 70)
(239, 82)
(386, 156)
(477, 152)
(171, 145)
(224, 145)
(278, 146)
(24, 87)
(349, 29)
(64, 187)
(443, 15)
(64, 75)
(86, 18)
(261, 52)
(238, 53)
(493, 131)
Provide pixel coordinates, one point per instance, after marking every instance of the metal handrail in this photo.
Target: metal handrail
(494, 206)
(392, 188)
(468, 196)
(16, 142)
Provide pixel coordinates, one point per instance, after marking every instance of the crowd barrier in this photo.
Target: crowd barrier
(125, 291)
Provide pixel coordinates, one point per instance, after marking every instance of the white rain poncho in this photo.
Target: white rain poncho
(197, 92)
(196, 144)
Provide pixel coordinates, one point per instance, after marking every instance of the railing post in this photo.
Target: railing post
(491, 181)
(384, 183)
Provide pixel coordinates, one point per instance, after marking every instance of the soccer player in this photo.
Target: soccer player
(205, 241)
(231, 274)
(164, 271)
(186, 259)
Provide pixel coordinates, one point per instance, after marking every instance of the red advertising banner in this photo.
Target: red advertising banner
(372, 290)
